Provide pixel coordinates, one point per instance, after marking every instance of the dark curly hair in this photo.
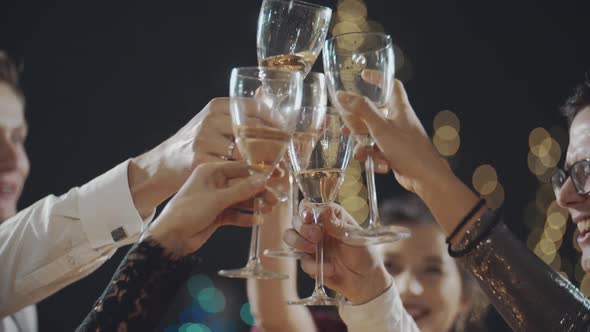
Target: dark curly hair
(578, 100)
(9, 74)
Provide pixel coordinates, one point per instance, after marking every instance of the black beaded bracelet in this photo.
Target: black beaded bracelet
(490, 219)
(467, 217)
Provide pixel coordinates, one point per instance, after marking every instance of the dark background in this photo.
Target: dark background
(108, 80)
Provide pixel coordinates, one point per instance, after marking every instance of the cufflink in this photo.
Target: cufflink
(118, 234)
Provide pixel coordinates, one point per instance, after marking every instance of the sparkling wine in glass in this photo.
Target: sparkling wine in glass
(313, 103)
(291, 34)
(264, 107)
(319, 171)
(363, 63)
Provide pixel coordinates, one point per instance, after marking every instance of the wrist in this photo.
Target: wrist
(375, 284)
(448, 198)
(149, 182)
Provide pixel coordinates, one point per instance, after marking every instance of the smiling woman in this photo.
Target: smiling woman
(435, 291)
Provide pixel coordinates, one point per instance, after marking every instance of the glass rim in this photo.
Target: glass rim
(238, 72)
(387, 37)
(302, 4)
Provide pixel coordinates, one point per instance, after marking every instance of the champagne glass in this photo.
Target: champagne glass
(264, 103)
(350, 60)
(319, 165)
(291, 33)
(313, 104)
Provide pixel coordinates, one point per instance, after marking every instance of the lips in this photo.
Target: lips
(583, 226)
(417, 312)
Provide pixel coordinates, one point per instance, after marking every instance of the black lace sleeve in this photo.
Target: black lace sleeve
(528, 294)
(140, 291)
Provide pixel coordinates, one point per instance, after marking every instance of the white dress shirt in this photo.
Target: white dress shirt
(384, 313)
(59, 240)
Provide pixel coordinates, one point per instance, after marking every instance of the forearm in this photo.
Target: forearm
(140, 291)
(528, 294)
(268, 298)
(449, 201)
(59, 240)
(150, 182)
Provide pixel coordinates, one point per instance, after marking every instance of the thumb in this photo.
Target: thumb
(337, 222)
(242, 189)
(363, 108)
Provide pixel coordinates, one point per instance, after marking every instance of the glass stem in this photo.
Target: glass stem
(294, 194)
(371, 192)
(254, 254)
(319, 258)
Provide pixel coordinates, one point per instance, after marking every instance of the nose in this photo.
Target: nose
(408, 285)
(567, 196)
(8, 154)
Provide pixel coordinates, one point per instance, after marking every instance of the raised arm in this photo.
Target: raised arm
(146, 281)
(268, 298)
(526, 292)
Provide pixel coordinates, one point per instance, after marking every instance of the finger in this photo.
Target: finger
(310, 232)
(233, 170)
(295, 240)
(363, 108)
(309, 266)
(242, 190)
(373, 76)
(381, 163)
(221, 123)
(337, 221)
(220, 146)
(305, 213)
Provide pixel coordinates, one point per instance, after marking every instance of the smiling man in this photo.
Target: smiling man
(572, 184)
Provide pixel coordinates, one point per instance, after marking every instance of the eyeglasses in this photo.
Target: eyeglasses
(580, 174)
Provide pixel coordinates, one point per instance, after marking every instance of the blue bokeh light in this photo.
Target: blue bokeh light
(246, 314)
(197, 283)
(211, 300)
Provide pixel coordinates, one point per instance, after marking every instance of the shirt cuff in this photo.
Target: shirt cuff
(380, 314)
(107, 212)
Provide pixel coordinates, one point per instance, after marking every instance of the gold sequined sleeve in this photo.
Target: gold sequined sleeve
(528, 294)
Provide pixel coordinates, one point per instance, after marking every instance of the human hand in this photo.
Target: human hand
(356, 272)
(159, 173)
(400, 137)
(201, 205)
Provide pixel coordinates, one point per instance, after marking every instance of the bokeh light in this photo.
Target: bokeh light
(496, 198)
(246, 314)
(351, 10)
(193, 327)
(534, 237)
(533, 217)
(537, 136)
(447, 118)
(446, 141)
(544, 196)
(211, 300)
(485, 179)
(194, 313)
(197, 283)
